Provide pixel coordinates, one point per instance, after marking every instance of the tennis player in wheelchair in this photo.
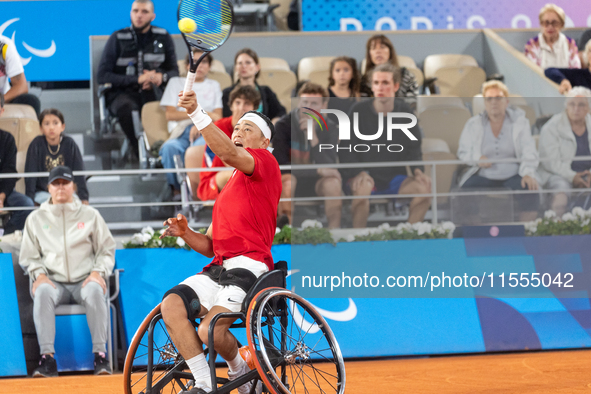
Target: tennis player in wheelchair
(239, 239)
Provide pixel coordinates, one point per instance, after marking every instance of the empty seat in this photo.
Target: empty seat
(315, 69)
(273, 63)
(282, 82)
(434, 145)
(461, 81)
(445, 122)
(430, 101)
(435, 62)
(21, 121)
(154, 122)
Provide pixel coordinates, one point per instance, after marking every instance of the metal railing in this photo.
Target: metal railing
(433, 174)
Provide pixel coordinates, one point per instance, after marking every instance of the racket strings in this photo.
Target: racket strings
(213, 20)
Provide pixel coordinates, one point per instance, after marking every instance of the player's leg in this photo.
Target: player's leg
(331, 187)
(180, 306)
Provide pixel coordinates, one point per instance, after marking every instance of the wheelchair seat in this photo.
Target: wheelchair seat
(275, 278)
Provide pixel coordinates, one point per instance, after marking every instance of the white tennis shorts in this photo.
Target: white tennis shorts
(211, 293)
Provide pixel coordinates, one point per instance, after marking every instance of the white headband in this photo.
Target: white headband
(259, 122)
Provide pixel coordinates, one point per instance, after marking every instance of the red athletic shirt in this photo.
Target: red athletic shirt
(245, 213)
(208, 188)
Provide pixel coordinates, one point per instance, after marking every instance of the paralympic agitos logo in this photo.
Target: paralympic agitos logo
(345, 130)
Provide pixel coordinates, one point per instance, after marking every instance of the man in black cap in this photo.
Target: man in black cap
(69, 252)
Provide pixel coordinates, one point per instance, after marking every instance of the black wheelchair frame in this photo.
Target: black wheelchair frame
(266, 301)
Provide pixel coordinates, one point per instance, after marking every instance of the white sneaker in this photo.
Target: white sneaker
(245, 388)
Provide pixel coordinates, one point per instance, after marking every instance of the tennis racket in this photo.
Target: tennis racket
(213, 20)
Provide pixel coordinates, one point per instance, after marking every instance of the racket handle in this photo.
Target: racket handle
(189, 82)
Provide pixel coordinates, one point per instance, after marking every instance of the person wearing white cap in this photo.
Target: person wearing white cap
(239, 239)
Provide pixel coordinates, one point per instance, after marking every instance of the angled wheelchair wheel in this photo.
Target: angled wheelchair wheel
(292, 346)
(153, 364)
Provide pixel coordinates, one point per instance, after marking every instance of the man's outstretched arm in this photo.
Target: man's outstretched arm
(217, 140)
(178, 227)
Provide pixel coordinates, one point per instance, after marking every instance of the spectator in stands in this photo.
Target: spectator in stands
(68, 264)
(8, 196)
(17, 90)
(292, 146)
(582, 45)
(384, 180)
(52, 149)
(246, 64)
(343, 83)
(183, 133)
(567, 77)
(209, 184)
(380, 50)
(500, 132)
(551, 48)
(563, 137)
(136, 79)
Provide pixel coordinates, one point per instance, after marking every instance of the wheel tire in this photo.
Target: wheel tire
(135, 370)
(314, 368)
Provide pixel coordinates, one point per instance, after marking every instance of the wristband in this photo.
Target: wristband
(200, 118)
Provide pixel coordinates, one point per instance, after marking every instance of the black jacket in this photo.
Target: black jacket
(291, 146)
(272, 108)
(123, 48)
(368, 124)
(39, 159)
(7, 162)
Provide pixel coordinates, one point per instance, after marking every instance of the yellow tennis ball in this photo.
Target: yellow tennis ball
(187, 25)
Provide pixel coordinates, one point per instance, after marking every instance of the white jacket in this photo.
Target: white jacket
(67, 242)
(470, 145)
(558, 142)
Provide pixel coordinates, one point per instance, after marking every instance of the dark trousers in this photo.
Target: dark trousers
(525, 202)
(17, 218)
(28, 99)
(123, 105)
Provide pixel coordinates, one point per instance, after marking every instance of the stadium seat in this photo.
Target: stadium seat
(445, 122)
(154, 122)
(461, 81)
(428, 101)
(430, 145)
(282, 82)
(280, 13)
(435, 62)
(21, 121)
(315, 69)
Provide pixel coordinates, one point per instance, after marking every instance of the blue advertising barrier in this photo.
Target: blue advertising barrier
(13, 363)
(370, 327)
(52, 37)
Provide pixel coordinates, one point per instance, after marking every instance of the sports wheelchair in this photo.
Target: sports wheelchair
(288, 353)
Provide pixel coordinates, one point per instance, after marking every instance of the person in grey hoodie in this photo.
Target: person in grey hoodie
(501, 132)
(69, 252)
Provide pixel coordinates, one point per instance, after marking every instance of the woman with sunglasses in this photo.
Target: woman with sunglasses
(551, 48)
